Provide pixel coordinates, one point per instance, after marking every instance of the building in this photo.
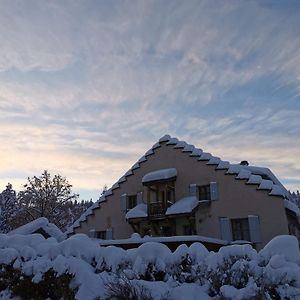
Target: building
(176, 189)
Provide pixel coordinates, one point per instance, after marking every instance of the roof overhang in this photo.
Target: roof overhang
(160, 176)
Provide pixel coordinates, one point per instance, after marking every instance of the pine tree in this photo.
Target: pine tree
(8, 209)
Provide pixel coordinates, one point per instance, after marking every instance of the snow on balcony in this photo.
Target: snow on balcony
(139, 211)
(182, 206)
(159, 175)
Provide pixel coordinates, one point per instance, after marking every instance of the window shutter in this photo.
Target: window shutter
(109, 234)
(193, 189)
(254, 229)
(92, 233)
(123, 201)
(139, 198)
(226, 233)
(214, 194)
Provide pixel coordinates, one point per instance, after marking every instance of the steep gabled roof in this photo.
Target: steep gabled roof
(262, 177)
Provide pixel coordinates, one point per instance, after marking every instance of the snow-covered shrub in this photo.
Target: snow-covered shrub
(231, 266)
(122, 288)
(151, 260)
(50, 286)
(280, 269)
(187, 263)
(112, 259)
(35, 267)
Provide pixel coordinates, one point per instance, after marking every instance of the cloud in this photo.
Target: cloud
(87, 87)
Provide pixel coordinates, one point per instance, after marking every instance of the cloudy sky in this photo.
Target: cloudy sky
(87, 87)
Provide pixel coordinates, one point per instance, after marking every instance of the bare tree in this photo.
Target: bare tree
(49, 197)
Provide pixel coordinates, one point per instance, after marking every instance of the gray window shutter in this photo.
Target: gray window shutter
(139, 198)
(123, 201)
(226, 233)
(254, 229)
(92, 233)
(193, 189)
(214, 194)
(109, 234)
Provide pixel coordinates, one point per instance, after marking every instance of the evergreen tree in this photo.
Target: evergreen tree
(8, 209)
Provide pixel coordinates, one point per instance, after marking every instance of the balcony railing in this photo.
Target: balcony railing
(157, 209)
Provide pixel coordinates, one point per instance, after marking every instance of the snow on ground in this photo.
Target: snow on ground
(234, 272)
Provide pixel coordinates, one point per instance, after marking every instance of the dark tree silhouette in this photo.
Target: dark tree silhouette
(49, 197)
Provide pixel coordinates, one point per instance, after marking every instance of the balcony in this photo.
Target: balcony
(157, 210)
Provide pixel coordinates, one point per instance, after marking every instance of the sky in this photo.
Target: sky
(87, 87)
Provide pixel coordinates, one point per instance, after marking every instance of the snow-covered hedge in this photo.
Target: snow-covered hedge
(78, 267)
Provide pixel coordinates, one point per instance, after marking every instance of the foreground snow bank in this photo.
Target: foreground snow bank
(78, 267)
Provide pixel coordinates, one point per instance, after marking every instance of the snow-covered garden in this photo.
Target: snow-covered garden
(33, 267)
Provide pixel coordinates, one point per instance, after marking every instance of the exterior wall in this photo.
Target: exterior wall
(236, 199)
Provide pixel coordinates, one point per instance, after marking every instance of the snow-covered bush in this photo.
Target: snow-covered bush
(122, 288)
(231, 266)
(34, 267)
(151, 260)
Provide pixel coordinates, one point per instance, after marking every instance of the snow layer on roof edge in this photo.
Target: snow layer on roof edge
(234, 169)
(122, 179)
(277, 190)
(142, 159)
(115, 186)
(128, 173)
(172, 141)
(180, 144)
(266, 185)
(149, 152)
(254, 179)
(188, 148)
(155, 146)
(223, 165)
(196, 152)
(213, 161)
(135, 166)
(165, 138)
(292, 206)
(205, 156)
(244, 174)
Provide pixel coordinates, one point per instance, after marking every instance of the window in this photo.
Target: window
(204, 192)
(240, 229)
(100, 235)
(131, 201)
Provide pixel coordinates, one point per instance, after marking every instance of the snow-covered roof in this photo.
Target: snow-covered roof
(139, 211)
(41, 223)
(184, 205)
(251, 174)
(292, 207)
(159, 175)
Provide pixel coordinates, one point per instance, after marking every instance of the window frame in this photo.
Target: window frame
(240, 229)
(203, 192)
